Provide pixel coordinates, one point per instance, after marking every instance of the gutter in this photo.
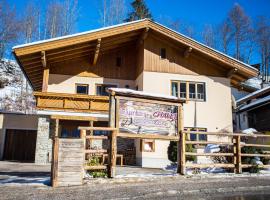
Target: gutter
(19, 63)
(252, 108)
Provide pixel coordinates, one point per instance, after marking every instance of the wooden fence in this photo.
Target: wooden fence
(68, 153)
(234, 141)
(112, 151)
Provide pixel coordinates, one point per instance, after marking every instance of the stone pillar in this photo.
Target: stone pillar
(44, 142)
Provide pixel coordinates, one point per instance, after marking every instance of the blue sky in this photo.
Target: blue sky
(194, 12)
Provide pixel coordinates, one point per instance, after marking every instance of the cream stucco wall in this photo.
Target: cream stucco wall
(15, 121)
(66, 83)
(215, 113)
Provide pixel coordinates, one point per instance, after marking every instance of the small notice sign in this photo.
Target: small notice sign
(147, 118)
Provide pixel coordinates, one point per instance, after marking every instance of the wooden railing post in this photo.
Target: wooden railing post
(83, 136)
(55, 149)
(181, 158)
(112, 155)
(234, 155)
(238, 155)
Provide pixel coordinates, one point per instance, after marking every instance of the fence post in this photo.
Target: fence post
(55, 149)
(238, 155)
(83, 136)
(181, 154)
(234, 154)
(112, 155)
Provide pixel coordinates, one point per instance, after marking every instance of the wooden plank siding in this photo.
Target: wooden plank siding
(176, 63)
(105, 66)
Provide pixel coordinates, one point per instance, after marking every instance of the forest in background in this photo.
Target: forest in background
(237, 35)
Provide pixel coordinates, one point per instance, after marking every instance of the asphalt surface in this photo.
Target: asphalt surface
(28, 181)
(257, 187)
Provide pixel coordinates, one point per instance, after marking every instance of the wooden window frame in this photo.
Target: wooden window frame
(142, 143)
(187, 90)
(81, 84)
(199, 129)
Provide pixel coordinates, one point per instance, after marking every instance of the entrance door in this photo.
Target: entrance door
(20, 145)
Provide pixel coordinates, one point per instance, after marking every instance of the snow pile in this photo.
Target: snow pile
(212, 148)
(256, 161)
(249, 131)
(254, 82)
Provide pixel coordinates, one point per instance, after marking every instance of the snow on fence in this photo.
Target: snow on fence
(235, 143)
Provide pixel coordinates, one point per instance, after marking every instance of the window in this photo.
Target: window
(188, 90)
(118, 61)
(196, 137)
(101, 89)
(163, 53)
(147, 145)
(82, 88)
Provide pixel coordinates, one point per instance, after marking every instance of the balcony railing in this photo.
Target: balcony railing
(71, 102)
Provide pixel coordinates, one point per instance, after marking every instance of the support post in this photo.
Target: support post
(238, 155)
(112, 155)
(83, 136)
(45, 80)
(181, 147)
(54, 166)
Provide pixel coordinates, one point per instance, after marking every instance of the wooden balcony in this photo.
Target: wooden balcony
(71, 102)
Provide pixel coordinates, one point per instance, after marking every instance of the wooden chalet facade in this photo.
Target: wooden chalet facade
(70, 74)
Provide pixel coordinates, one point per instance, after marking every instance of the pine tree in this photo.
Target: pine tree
(140, 11)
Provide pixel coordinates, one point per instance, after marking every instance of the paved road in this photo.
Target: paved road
(151, 188)
(28, 181)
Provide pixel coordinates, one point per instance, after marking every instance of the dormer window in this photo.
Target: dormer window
(163, 53)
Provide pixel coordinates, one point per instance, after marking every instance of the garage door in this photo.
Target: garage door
(20, 145)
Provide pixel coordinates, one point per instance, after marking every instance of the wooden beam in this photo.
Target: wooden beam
(231, 72)
(43, 59)
(45, 80)
(143, 36)
(97, 51)
(187, 52)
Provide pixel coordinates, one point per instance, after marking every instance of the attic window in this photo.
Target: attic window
(163, 53)
(118, 61)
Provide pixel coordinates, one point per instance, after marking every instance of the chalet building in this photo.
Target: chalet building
(253, 111)
(70, 75)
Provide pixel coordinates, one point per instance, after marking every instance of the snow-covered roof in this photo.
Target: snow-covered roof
(77, 34)
(128, 23)
(143, 94)
(265, 100)
(253, 94)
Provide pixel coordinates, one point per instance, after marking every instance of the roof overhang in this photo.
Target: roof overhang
(29, 56)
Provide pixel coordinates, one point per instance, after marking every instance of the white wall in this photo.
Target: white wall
(215, 113)
(66, 83)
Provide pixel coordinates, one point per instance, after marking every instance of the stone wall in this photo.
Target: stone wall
(46, 128)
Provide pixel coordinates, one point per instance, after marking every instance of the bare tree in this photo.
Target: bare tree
(70, 16)
(8, 27)
(263, 43)
(53, 20)
(240, 26)
(209, 36)
(225, 36)
(112, 12)
(30, 23)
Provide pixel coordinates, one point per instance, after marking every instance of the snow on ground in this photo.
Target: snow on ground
(20, 181)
